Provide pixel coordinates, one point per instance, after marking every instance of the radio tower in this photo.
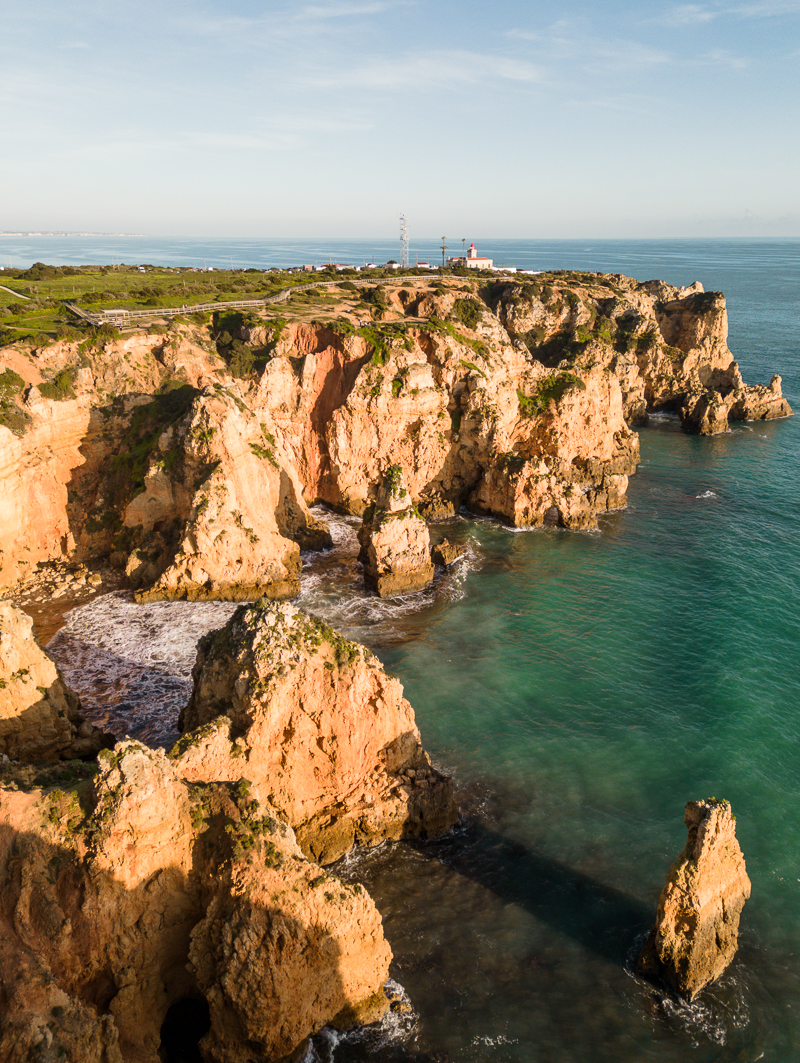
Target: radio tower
(404, 240)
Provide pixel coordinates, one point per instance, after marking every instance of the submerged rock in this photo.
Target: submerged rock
(696, 932)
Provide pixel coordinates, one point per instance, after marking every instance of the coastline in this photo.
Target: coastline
(548, 580)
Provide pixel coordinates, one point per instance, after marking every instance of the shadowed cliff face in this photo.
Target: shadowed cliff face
(513, 398)
(124, 896)
(145, 892)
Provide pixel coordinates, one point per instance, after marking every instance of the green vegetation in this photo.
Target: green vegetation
(468, 312)
(551, 388)
(393, 476)
(60, 387)
(264, 452)
(381, 337)
(446, 328)
(11, 416)
(473, 367)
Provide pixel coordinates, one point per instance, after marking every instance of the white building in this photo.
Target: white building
(473, 260)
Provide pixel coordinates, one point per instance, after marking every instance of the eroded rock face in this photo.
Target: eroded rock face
(39, 715)
(208, 516)
(322, 732)
(129, 892)
(696, 932)
(514, 398)
(395, 542)
(667, 346)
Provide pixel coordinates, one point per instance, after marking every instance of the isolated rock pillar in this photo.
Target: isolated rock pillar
(696, 932)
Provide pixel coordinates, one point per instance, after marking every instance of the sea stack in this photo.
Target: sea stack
(696, 932)
(395, 542)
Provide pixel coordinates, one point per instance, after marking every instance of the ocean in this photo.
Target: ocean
(581, 688)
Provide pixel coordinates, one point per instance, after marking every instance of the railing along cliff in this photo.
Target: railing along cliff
(124, 317)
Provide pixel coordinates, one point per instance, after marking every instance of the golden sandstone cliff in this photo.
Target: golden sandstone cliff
(514, 398)
(144, 881)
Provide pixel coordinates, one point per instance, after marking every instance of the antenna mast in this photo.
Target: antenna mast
(404, 240)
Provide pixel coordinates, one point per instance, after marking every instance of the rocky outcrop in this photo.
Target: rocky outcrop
(514, 398)
(710, 412)
(667, 346)
(147, 892)
(322, 732)
(446, 553)
(134, 892)
(395, 542)
(207, 517)
(39, 715)
(696, 932)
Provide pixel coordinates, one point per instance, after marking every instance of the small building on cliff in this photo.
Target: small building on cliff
(473, 260)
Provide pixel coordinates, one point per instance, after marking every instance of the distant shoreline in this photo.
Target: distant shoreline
(5, 232)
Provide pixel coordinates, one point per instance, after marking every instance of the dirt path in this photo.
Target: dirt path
(11, 291)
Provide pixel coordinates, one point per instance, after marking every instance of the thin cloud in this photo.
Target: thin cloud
(719, 57)
(585, 50)
(287, 24)
(431, 68)
(688, 15)
(694, 14)
(344, 10)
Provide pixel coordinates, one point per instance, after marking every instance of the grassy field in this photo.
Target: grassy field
(36, 309)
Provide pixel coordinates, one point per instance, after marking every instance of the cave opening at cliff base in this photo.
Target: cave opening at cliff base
(187, 1021)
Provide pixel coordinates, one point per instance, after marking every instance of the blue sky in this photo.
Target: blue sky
(329, 118)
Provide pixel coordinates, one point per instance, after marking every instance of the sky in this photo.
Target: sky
(330, 118)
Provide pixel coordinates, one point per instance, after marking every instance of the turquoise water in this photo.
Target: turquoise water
(581, 688)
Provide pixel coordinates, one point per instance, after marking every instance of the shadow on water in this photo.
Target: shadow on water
(598, 917)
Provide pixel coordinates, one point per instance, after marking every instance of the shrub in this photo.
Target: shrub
(11, 384)
(60, 387)
(468, 312)
(241, 359)
(551, 388)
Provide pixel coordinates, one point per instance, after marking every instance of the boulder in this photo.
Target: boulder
(696, 932)
(445, 552)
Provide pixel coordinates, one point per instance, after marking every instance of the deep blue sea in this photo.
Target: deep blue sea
(581, 687)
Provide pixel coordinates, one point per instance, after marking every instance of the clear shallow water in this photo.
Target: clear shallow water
(583, 687)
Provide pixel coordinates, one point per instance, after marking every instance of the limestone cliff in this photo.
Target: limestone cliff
(696, 932)
(144, 882)
(133, 891)
(39, 715)
(322, 732)
(667, 346)
(514, 398)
